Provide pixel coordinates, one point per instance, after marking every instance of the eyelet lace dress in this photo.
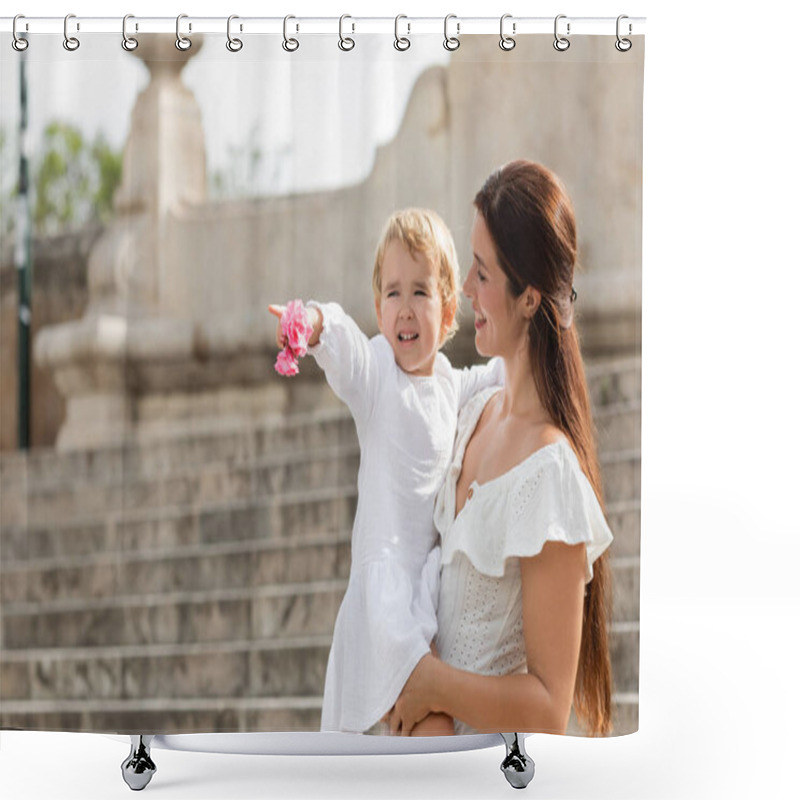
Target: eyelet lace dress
(544, 498)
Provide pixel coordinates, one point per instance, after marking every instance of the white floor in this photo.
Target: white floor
(720, 611)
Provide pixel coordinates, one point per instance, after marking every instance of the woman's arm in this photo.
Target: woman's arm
(552, 599)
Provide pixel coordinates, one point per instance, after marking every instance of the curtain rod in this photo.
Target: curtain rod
(460, 26)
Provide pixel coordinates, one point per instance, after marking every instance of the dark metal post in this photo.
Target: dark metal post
(22, 261)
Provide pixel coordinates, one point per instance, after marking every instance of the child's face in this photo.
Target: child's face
(410, 309)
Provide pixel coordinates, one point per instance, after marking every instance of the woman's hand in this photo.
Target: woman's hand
(416, 700)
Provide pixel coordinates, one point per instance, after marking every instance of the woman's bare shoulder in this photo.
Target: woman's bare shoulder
(545, 435)
(526, 439)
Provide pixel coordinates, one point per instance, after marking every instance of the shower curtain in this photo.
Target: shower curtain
(176, 527)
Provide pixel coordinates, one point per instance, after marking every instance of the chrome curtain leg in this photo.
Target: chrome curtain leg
(517, 766)
(138, 768)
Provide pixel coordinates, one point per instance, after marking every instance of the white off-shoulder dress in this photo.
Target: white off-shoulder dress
(406, 428)
(544, 498)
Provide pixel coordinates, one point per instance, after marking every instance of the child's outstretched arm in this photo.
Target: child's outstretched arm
(348, 358)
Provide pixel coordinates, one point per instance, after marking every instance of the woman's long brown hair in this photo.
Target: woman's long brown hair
(530, 218)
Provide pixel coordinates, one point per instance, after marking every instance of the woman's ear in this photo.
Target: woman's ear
(530, 300)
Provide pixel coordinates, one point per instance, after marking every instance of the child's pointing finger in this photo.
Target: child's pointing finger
(280, 336)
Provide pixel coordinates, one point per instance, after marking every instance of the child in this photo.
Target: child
(404, 397)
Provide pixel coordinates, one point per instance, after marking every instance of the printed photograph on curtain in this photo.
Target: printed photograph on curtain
(321, 386)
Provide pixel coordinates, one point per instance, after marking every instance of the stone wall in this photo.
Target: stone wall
(59, 294)
(178, 286)
(577, 112)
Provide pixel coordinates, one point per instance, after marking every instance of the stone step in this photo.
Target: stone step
(199, 715)
(208, 567)
(609, 379)
(13, 502)
(44, 583)
(610, 382)
(214, 482)
(621, 473)
(624, 519)
(290, 514)
(614, 381)
(624, 647)
(123, 529)
(619, 427)
(165, 716)
(211, 616)
(219, 480)
(625, 587)
(178, 617)
(234, 444)
(625, 713)
(291, 667)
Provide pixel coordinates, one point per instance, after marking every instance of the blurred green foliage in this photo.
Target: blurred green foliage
(73, 180)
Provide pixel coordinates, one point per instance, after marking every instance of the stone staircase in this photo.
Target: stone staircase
(615, 387)
(192, 584)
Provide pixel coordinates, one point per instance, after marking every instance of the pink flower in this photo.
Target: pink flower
(296, 328)
(286, 363)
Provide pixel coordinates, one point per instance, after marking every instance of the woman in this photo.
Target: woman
(525, 586)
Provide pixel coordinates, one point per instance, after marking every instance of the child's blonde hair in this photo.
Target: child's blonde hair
(425, 234)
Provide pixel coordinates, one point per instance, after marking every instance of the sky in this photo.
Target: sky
(258, 100)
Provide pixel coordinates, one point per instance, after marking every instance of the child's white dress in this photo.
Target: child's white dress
(406, 428)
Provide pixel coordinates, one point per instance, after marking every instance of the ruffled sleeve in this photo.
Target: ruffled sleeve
(547, 498)
(350, 360)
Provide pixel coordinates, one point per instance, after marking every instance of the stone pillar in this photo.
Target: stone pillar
(132, 316)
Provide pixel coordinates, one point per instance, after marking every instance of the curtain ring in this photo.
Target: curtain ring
(345, 42)
(401, 43)
(560, 43)
(623, 45)
(18, 43)
(181, 42)
(129, 43)
(234, 45)
(507, 42)
(289, 45)
(70, 42)
(451, 43)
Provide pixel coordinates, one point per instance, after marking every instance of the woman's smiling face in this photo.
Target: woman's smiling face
(500, 324)
(409, 309)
